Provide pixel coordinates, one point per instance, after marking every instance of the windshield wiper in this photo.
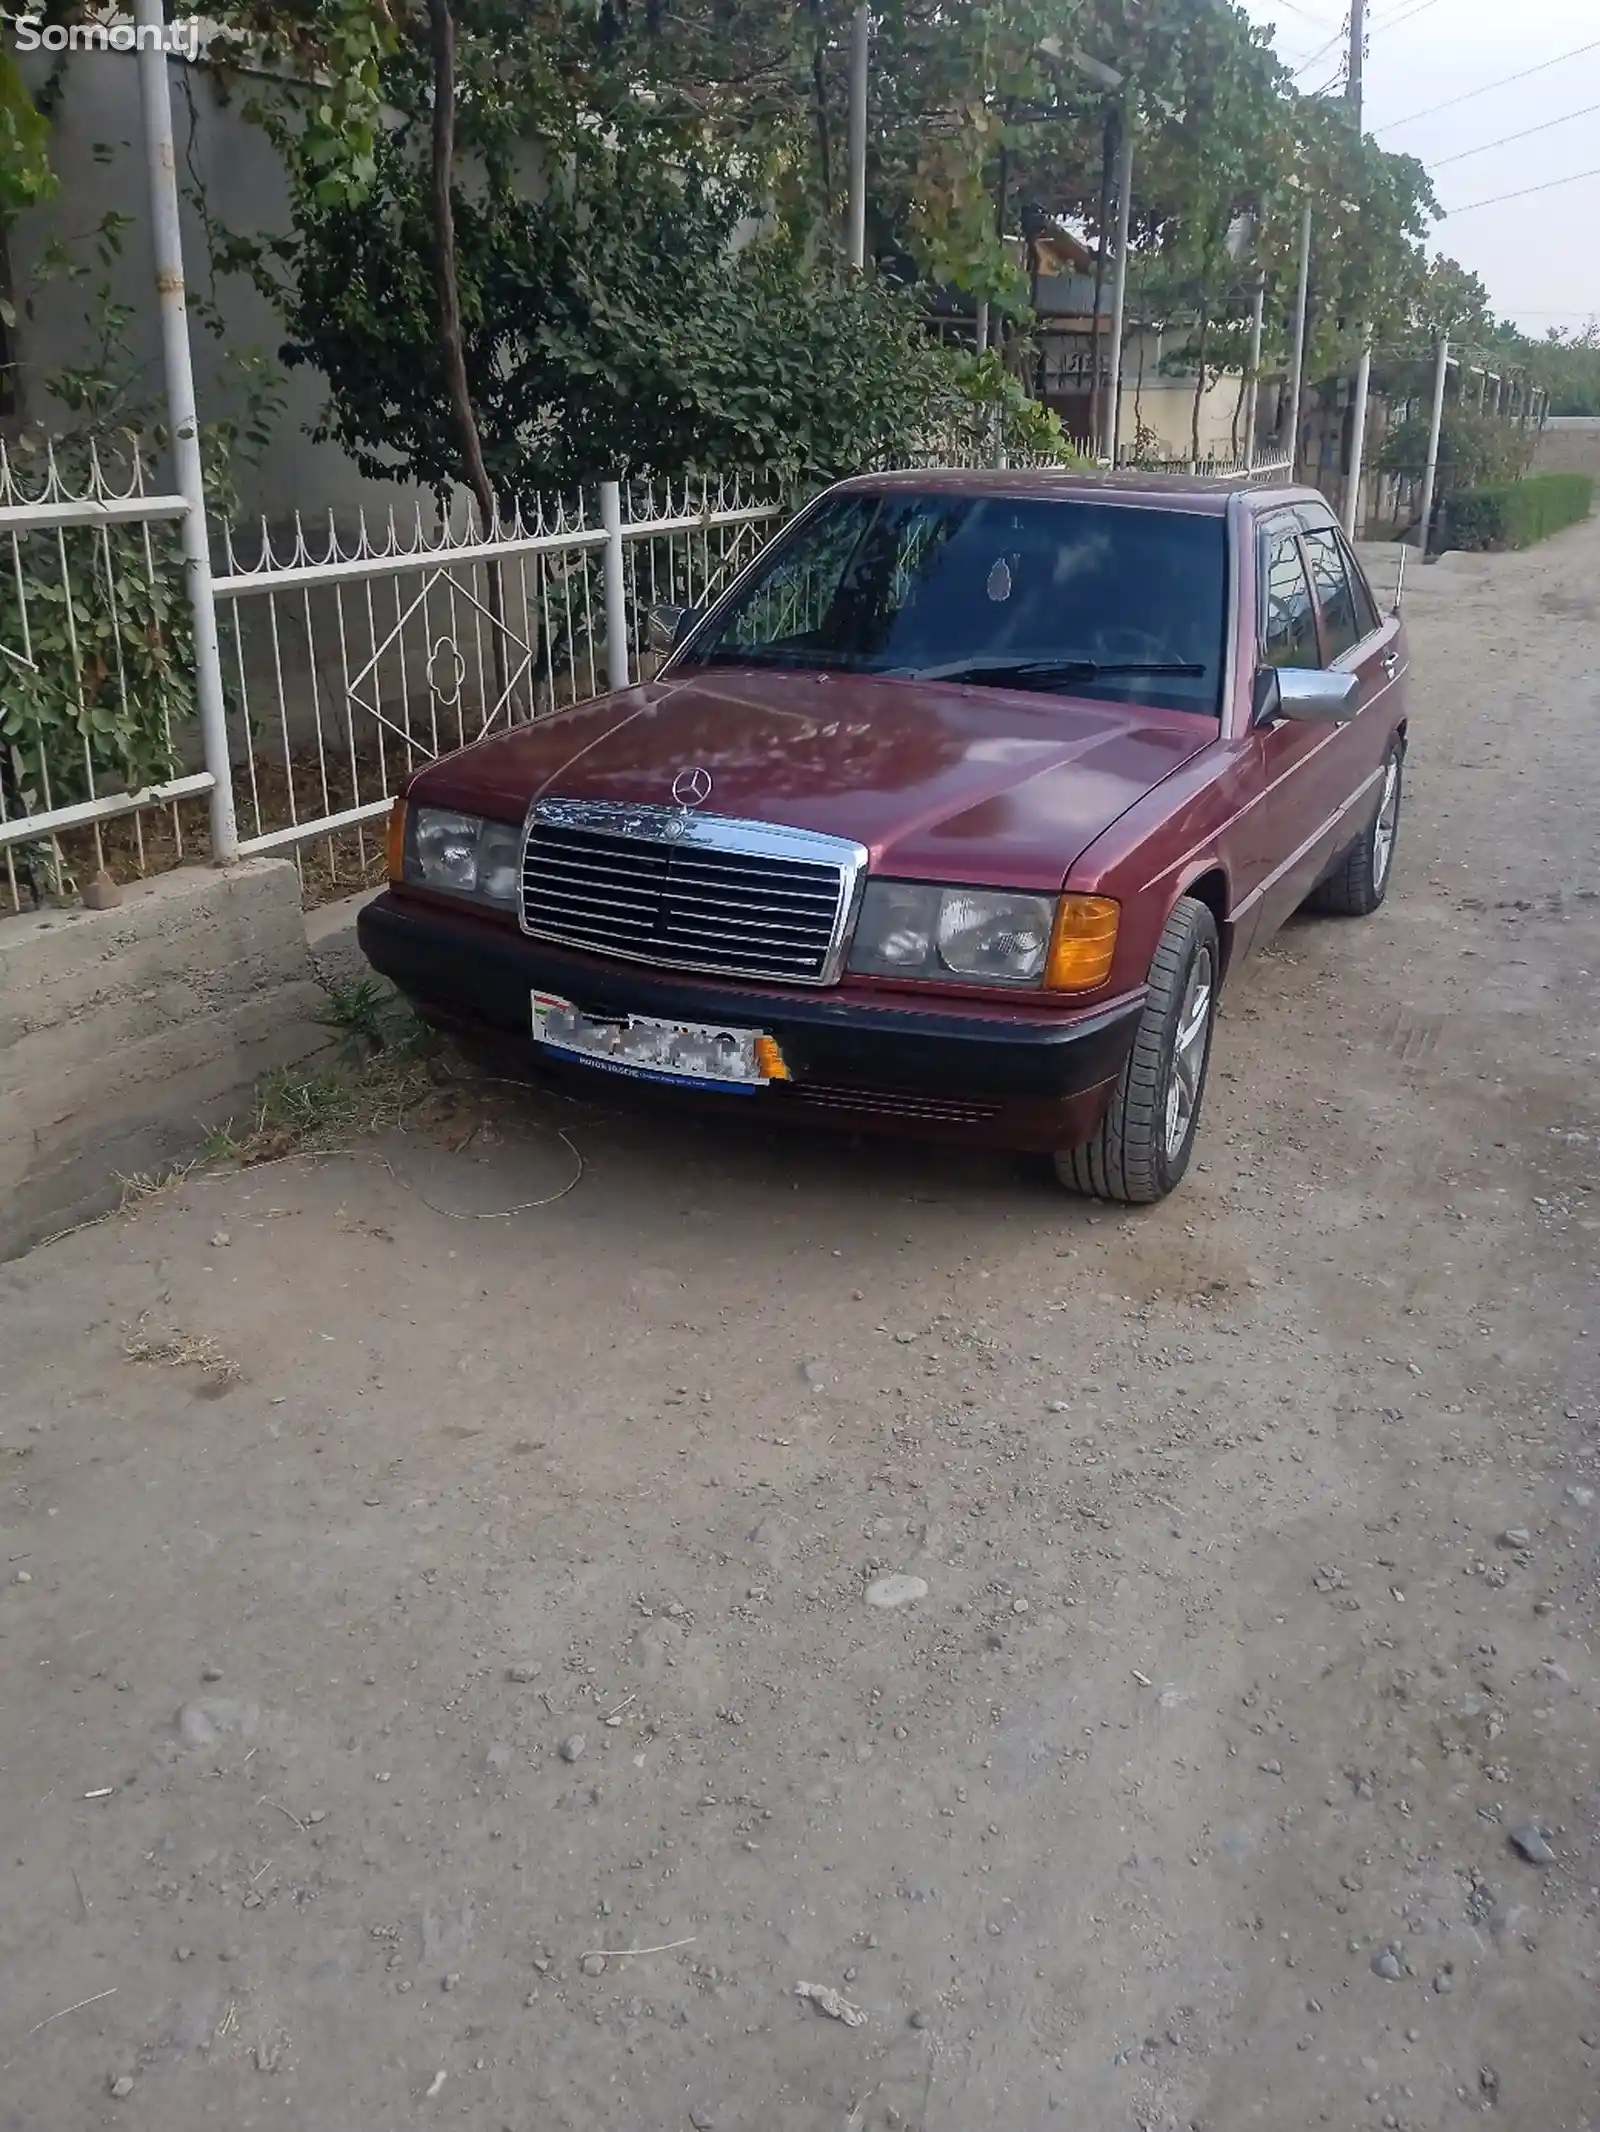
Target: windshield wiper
(1003, 670)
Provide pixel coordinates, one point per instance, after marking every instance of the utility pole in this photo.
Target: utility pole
(1253, 379)
(1441, 366)
(1358, 439)
(1297, 366)
(1119, 285)
(860, 37)
(1358, 426)
(1108, 161)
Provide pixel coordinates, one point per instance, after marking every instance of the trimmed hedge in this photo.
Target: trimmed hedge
(1514, 514)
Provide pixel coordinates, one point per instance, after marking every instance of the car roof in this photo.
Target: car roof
(1207, 493)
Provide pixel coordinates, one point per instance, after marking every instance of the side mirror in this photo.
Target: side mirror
(1305, 695)
(668, 626)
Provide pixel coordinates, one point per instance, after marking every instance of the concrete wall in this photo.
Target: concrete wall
(97, 153)
(126, 1034)
(1570, 445)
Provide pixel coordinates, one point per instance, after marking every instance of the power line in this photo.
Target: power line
(1504, 82)
(1317, 22)
(1549, 186)
(1483, 147)
(1336, 38)
(1406, 12)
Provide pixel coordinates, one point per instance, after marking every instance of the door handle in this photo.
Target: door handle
(1391, 664)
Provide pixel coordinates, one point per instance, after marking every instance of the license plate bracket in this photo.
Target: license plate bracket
(648, 1047)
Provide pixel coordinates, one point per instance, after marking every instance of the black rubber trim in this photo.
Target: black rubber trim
(466, 974)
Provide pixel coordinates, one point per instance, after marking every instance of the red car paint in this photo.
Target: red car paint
(987, 786)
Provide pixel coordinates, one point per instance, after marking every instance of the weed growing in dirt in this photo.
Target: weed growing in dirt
(310, 1113)
(366, 1017)
(181, 1350)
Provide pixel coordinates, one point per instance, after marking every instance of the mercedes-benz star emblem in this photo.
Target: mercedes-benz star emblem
(692, 788)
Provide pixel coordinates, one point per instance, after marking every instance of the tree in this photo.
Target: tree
(593, 279)
(25, 174)
(1566, 364)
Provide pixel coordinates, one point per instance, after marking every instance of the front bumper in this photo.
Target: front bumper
(1021, 1081)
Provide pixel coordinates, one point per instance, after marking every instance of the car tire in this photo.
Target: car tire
(1143, 1147)
(1358, 880)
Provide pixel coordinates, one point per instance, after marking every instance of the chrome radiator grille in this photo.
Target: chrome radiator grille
(688, 891)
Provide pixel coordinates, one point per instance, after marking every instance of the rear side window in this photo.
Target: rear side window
(1332, 585)
(1290, 635)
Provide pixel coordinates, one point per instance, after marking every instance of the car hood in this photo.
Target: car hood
(939, 782)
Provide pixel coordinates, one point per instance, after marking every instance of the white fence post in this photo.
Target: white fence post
(617, 675)
(156, 103)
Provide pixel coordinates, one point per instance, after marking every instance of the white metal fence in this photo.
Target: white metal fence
(94, 666)
(350, 654)
(1274, 465)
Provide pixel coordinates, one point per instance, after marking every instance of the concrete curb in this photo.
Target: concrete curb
(126, 1035)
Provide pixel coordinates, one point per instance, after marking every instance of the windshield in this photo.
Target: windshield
(1115, 601)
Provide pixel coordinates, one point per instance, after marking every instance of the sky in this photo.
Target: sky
(1539, 257)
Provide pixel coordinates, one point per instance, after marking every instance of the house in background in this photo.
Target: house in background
(1072, 361)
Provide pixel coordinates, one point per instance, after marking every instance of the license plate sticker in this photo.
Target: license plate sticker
(645, 1048)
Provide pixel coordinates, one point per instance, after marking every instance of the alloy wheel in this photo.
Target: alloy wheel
(1189, 1053)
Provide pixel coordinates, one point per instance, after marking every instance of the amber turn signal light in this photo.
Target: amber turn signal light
(396, 844)
(770, 1061)
(1082, 943)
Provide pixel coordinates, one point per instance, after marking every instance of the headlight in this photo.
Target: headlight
(985, 936)
(463, 855)
(988, 936)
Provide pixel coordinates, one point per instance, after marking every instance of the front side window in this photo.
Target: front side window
(1331, 582)
(1289, 633)
(1120, 602)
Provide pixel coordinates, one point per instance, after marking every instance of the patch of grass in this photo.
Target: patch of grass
(181, 1350)
(309, 1113)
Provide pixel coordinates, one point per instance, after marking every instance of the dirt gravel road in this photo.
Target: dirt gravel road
(538, 1738)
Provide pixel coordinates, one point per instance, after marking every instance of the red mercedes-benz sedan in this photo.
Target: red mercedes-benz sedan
(949, 817)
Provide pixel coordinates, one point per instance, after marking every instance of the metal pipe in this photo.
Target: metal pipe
(1358, 440)
(981, 325)
(183, 422)
(1441, 366)
(1119, 285)
(1298, 363)
(860, 34)
(614, 570)
(1253, 381)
